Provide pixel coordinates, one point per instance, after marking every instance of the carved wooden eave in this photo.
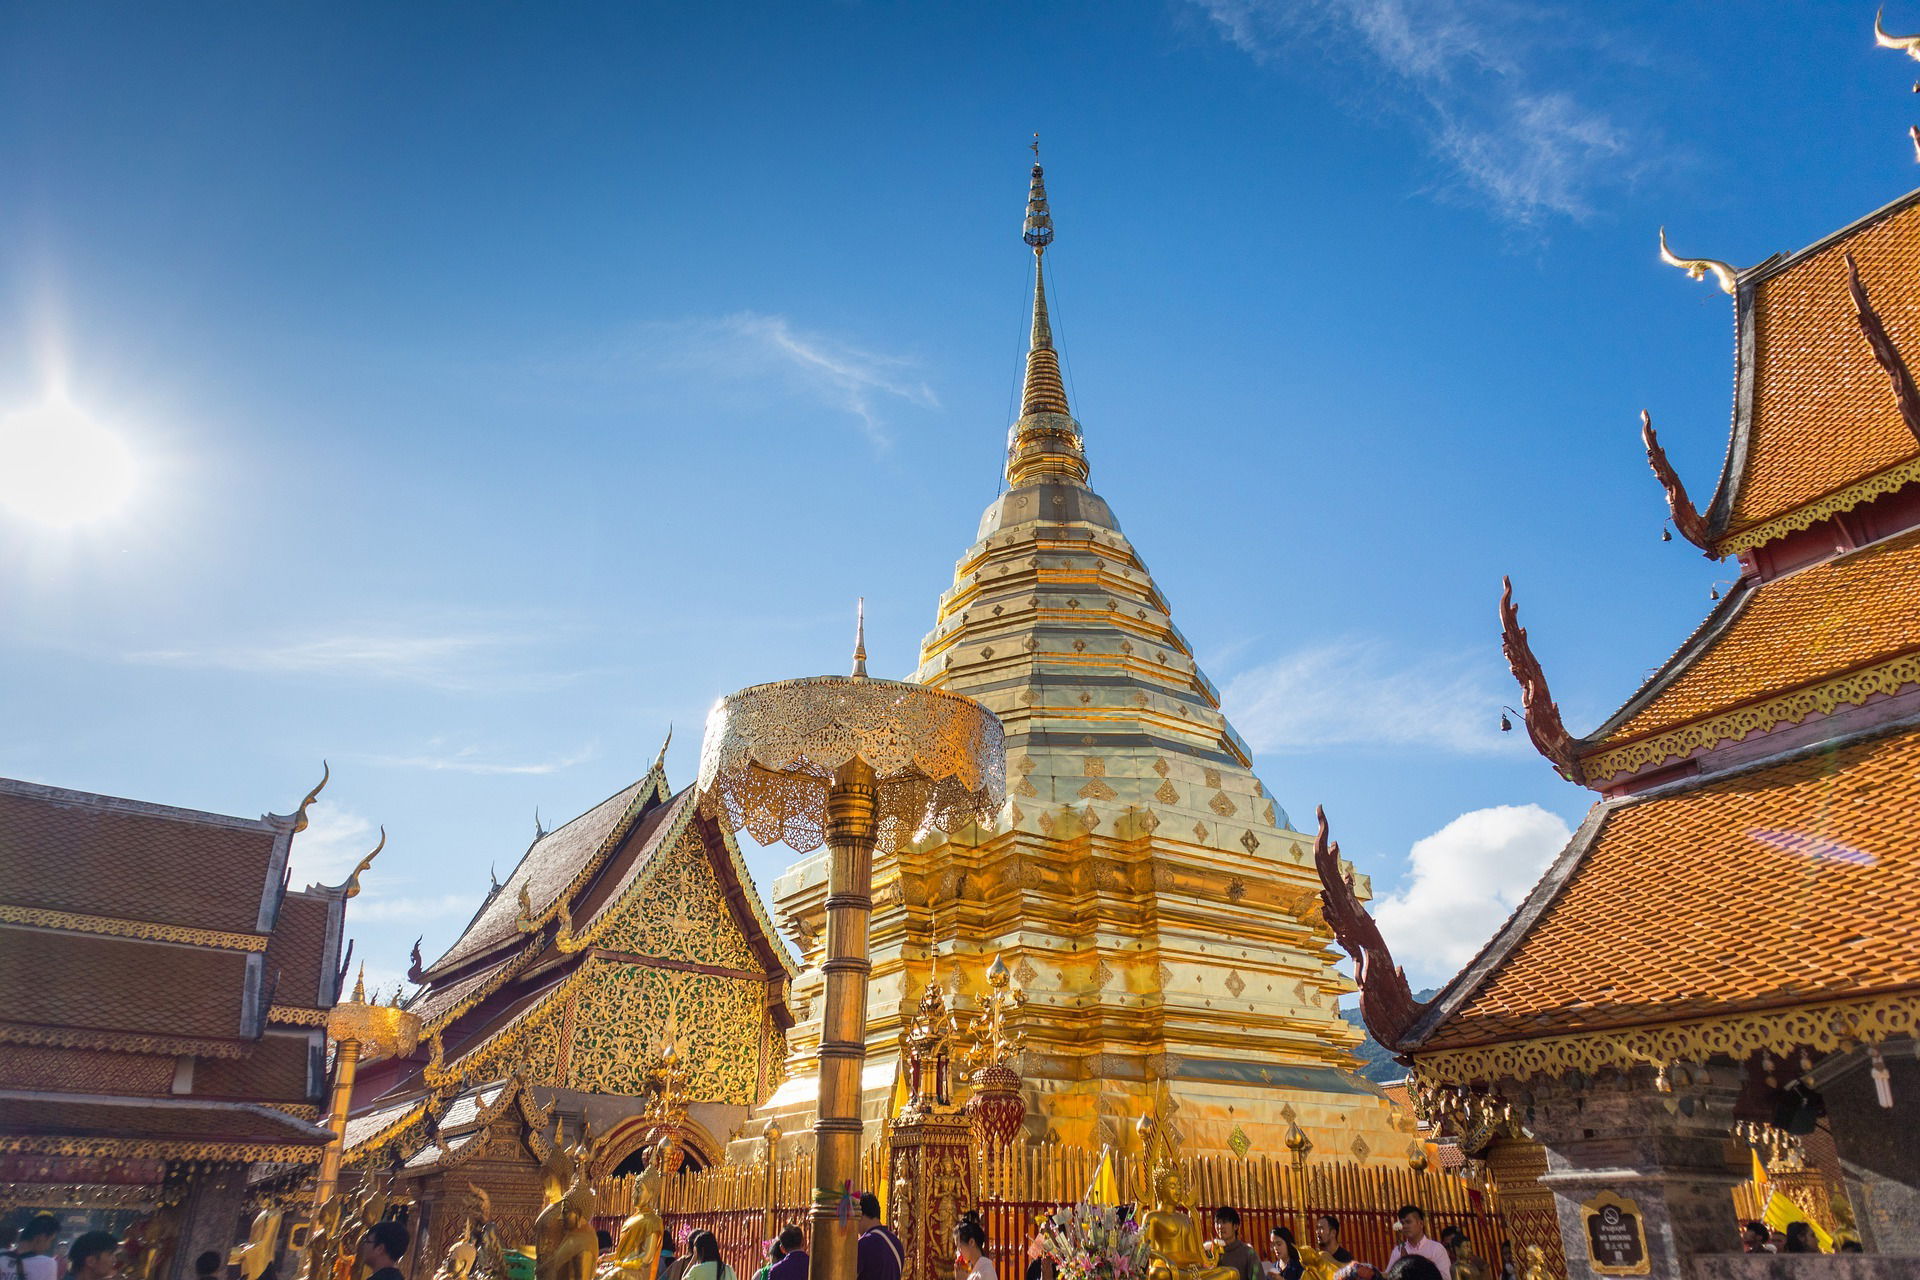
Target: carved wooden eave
(1686, 517)
(1906, 395)
(1538, 709)
(1386, 1000)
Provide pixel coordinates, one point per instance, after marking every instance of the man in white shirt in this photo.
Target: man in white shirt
(36, 1248)
(1415, 1240)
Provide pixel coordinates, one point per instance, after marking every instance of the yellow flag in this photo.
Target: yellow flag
(1105, 1188)
(1781, 1211)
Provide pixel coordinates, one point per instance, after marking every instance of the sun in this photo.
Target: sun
(60, 468)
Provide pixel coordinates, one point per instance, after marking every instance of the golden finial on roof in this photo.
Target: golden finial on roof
(1909, 45)
(351, 887)
(1727, 275)
(860, 637)
(660, 757)
(360, 985)
(300, 814)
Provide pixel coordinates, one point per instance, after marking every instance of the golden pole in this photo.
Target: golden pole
(345, 1065)
(771, 1135)
(851, 810)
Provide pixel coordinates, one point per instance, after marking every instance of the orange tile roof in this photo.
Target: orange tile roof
(1793, 631)
(1790, 883)
(297, 953)
(1823, 416)
(275, 1069)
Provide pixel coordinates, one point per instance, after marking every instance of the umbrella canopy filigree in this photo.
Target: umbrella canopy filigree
(772, 752)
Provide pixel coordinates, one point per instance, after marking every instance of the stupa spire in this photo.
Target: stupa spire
(1044, 445)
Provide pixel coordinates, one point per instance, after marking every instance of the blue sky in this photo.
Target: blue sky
(505, 382)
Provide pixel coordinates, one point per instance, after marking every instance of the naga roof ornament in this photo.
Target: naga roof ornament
(1386, 1000)
(1725, 274)
(1905, 394)
(1686, 517)
(1538, 709)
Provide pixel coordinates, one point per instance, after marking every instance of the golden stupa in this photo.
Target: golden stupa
(1148, 894)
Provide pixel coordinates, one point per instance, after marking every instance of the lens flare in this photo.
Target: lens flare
(60, 468)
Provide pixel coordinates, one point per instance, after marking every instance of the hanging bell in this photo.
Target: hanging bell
(1714, 594)
(1506, 725)
(1666, 535)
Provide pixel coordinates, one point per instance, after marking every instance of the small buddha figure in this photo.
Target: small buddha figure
(1174, 1248)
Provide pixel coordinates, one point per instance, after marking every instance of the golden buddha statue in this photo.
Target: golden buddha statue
(637, 1250)
(1173, 1244)
(563, 1229)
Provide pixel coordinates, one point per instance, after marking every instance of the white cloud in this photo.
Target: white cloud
(1462, 883)
(448, 660)
(332, 845)
(469, 760)
(752, 349)
(1357, 693)
(1467, 71)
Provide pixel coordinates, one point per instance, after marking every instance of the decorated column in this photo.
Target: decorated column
(851, 762)
(931, 1169)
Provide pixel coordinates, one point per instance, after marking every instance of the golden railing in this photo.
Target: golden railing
(744, 1204)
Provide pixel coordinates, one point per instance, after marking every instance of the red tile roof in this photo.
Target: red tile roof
(275, 1069)
(29, 1115)
(1788, 883)
(297, 957)
(549, 868)
(95, 855)
(85, 982)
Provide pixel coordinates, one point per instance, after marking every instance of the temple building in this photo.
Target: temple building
(623, 976)
(1149, 895)
(162, 999)
(1722, 962)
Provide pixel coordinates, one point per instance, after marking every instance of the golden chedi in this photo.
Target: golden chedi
(1151, 898)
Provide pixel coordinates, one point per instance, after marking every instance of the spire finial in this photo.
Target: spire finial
(360, 985)
(860, 637)
(1044, 444)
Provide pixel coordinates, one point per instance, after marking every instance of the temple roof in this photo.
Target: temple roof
(1785, 883)
(1764, 642)
(178, 1125)
(552, 865)
(100, 855)
(1816, 428)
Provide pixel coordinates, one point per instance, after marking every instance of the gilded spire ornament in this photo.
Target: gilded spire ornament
(1725, 274)
(1044, 445)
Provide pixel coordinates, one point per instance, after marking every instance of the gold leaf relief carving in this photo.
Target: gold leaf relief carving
(1212, 777)
(1095, 789)
(1167, 794)
(1221, 805)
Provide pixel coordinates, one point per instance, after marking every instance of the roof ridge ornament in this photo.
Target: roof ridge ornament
(350, 888)
(1686, 517)
(1906, 396)
(1386, 999)
(1538, 709)
(860, 638)
(1726, 274)
(300, 814)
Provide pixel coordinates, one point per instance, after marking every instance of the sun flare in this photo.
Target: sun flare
(60, 468)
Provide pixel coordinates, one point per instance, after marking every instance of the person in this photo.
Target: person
(665, 1269)
(1416, 1266)
(1800, 1238)
(1284, 1262)
(9, 1260)
(1326, 1238)
(1234, 1252)
(1416, 1243)
(879, 1253)
(1042, 1268)
(971, 1239)
(95, 1255)
(1467, 1264)
(604, 1238)
(707, 1264)
(773, 1256)
(36, 1248)
(1851, 1245)
(793, 1263)
(1753, 1238)
(208, 1265)
(384, 1244)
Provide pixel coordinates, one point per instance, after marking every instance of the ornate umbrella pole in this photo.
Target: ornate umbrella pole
(851, 762)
